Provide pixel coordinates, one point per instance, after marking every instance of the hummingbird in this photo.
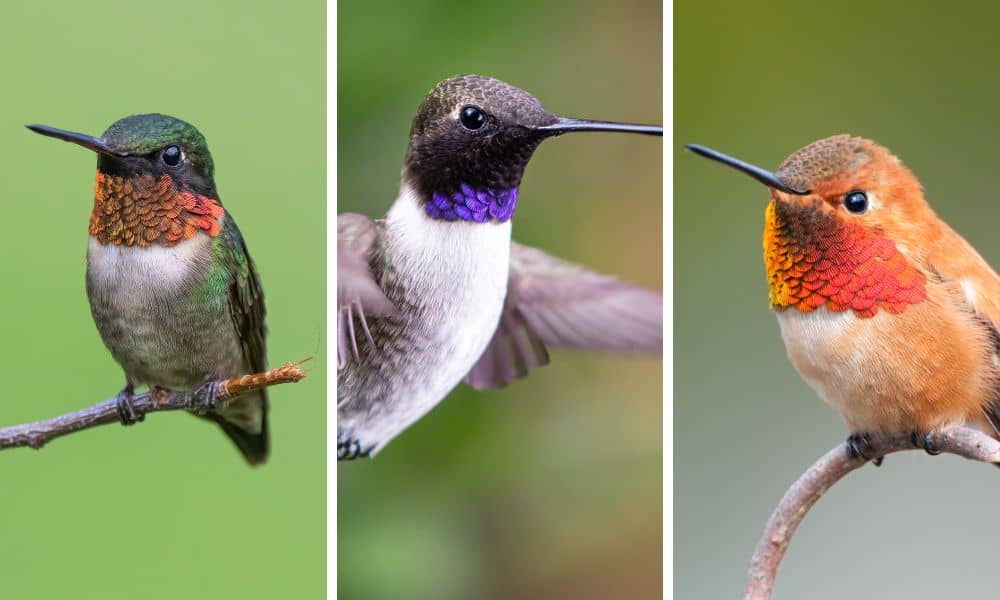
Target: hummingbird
(435, 291)
(172, 288)
(887, 312)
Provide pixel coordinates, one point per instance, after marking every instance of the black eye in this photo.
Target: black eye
(171, 156)
(856, 202)
(471, 117)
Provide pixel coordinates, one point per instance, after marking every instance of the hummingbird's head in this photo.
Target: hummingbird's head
(154, 180)
(471, 141)
(152, 144)
(845, 228)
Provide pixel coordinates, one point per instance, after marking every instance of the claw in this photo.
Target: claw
(930, 444)
(126, 410)
(859, 445)
(209, 397)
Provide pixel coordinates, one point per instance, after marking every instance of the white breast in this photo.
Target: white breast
(832, 352)
(467, 265)
(149, 268)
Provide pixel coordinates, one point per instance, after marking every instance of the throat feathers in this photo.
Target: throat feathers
(143, 210)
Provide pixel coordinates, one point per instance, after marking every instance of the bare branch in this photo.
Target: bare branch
(828, 470)
(37, 434)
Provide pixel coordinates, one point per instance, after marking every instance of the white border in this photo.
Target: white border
(331, 307)
(668, 300)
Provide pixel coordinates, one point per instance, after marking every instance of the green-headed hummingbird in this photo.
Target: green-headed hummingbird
(172, 288)
(435, 291)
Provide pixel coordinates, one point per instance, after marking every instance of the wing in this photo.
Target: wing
(245, 421)
(974, 287)
(358, 294)
(246, 297)
(551, 302)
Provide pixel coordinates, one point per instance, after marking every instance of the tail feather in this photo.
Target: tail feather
(245, 422)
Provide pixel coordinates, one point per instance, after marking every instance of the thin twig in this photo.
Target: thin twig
(37, 434)
(828, 470)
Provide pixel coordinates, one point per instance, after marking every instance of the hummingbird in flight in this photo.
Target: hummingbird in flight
(435, 291)
(887, 312)
(172, 288)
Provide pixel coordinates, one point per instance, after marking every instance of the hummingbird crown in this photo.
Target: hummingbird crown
(836, 155)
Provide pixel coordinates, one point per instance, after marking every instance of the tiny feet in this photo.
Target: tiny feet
(859, 445)
(209, 393)
(126, 410)
(926, 441)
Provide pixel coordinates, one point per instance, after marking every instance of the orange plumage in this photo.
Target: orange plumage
(884, 309)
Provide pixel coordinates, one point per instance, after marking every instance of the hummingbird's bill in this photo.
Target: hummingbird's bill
(762, 175)
(87, 141)
(565, 125)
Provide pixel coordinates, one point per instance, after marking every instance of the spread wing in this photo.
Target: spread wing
(358, 294)
(551, 302)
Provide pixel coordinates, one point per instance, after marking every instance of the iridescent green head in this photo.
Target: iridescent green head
(148, 134)
(151, 144)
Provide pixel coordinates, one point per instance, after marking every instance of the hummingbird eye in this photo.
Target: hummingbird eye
(471, 117)
(856, 202)
(171, 156)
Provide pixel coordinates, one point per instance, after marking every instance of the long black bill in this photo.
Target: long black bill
(87, 141)
(766, 177)
(565, 125)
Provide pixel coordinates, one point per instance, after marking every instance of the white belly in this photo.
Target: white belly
(467, 265)
(141, 300)
(832, 352)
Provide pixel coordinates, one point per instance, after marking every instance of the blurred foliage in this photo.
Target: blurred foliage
(550, 487)
(168, 508)
(759, 82)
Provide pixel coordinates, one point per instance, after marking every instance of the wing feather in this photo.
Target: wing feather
(551, 302)
(358, 293)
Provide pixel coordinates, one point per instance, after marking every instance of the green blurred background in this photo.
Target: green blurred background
(168, 508)
(760, 82)
(551, 487)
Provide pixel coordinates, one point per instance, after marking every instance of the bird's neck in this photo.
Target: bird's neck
(146, 210)
(436, 252)
(815, 259)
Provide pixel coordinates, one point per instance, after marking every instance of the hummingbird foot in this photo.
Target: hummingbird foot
(126, 410)
(351, 449)
(209, 397)
(859, 445)
(928, 442)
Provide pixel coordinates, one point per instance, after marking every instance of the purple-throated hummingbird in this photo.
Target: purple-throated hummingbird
(435, 291)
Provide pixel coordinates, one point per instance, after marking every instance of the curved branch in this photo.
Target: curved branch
(37, 434)
(828, 470)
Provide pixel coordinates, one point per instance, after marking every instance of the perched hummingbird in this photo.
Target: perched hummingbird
(435, 291)
(887, 312)
(172, 288)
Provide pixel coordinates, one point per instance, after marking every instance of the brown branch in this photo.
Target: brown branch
(828, 470)
(37, 434)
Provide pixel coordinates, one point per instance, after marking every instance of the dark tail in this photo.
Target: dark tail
(241, 419)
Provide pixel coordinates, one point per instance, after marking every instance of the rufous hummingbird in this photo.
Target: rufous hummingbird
(435, 292)
(887, 312)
